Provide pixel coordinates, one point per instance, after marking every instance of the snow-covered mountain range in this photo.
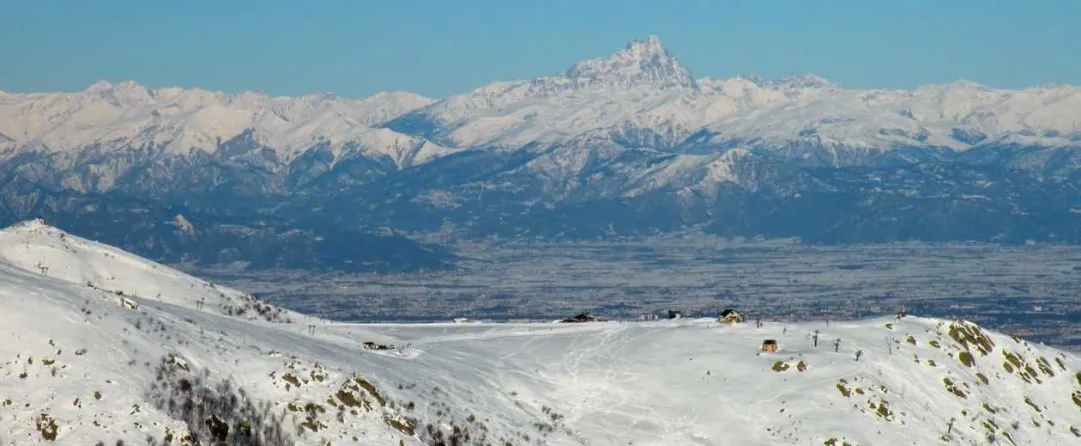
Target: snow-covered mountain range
(631, 134)
(128, 116)
(642, 97)
(639, 97)
(101, 345)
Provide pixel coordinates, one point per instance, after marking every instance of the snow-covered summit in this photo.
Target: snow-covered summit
(643, 63)
(77, 368)
(803, 81)
(642, 89)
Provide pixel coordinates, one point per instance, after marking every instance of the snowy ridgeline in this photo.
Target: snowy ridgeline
(640, 96)
(92, 353)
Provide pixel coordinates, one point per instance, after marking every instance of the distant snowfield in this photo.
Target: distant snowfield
(77, 355)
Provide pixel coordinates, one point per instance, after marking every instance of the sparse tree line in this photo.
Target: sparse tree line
(215, 412)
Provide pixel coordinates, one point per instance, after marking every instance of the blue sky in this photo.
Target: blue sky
(436, 48)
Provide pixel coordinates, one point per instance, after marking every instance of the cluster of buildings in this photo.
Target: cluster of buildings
(728, 316)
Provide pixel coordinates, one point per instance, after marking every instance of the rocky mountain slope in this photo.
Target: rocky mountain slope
(623, 145)
(90, 355)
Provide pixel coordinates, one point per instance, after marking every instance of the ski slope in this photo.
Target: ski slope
(83, 358)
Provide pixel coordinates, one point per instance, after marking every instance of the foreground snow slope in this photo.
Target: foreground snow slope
(37, 247)
(77, 356)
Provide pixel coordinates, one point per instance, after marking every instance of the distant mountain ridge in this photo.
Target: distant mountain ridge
(640, 88)
(628, 144)
(643, 87)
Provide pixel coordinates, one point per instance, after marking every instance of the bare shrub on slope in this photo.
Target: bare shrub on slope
(216, 412)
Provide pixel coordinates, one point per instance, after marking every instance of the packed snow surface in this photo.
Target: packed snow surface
(77, 360)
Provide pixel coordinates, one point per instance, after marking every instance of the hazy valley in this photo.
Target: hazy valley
(1024, 290)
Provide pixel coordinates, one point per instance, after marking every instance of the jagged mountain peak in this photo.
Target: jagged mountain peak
(643, 62)
(104, 86)
(808, 80)
(648, 47)
(125, 93)
(99, 86)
